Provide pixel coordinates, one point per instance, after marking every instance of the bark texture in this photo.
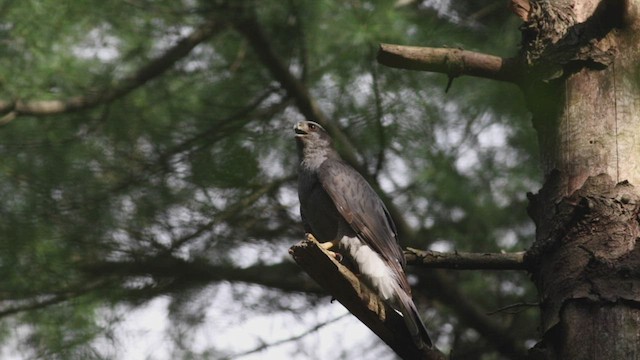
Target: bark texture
(583, 90)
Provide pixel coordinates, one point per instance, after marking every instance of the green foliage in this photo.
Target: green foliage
(198, 163)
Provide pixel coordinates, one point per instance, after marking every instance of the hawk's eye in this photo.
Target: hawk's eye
(312, 126)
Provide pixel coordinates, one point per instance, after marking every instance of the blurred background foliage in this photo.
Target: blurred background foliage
(175, 202)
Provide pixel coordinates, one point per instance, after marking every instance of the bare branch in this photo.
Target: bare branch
(345, 286)
(514, 306)
(453, 62)
(149, 71)
(466, 260)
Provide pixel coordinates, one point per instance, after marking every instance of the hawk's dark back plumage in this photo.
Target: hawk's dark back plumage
(338, 205)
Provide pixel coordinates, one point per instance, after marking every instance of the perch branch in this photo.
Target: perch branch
(345, 287)
(450, 61)
(466, 260)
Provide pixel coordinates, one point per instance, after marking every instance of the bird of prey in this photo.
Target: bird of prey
(340, 209)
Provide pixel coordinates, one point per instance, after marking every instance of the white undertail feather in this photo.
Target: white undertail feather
(384, 283)
(371, 265)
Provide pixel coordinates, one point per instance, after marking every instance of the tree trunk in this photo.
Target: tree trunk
(584, 92)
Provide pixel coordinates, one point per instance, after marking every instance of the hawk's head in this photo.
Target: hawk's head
(313, 141)
(311, 133)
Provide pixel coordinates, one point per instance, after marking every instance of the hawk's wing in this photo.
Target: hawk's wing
(361, 207)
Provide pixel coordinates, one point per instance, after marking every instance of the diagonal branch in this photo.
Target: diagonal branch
(345, 286)
(466, 260)
(450, 61)
(253, 32)
(152, 69)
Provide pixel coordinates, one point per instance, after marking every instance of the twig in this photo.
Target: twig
(453, 62)
(512, 306)
(466, 260)
(290, 339)
(8, 117)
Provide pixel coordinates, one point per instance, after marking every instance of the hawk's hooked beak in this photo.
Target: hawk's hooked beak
(300, 129)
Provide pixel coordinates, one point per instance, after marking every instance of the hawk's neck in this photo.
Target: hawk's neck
(314, 157)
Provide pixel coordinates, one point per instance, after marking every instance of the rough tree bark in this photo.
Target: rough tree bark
(583, 90)
(578, 68)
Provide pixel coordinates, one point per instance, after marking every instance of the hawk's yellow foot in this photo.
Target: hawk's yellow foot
(329, 244)
(325, 245)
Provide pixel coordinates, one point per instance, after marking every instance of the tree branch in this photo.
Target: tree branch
(149, 71)
(345, 286)
(453, 62)
(44, 300)
(283, 276)
(253, 32)
(466, 260)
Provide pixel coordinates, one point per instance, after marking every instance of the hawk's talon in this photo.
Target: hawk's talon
(336, 256)
(327, 245)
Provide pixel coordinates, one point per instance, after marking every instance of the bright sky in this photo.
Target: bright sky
(143, 334)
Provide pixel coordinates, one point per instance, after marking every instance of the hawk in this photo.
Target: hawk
(340, 209)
